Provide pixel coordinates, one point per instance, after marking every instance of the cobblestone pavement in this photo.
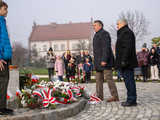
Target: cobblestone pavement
(148, 107)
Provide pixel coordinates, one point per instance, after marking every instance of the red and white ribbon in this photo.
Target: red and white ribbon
(48, 99)
(94, 99)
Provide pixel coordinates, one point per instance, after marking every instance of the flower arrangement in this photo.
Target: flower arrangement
(48, 94)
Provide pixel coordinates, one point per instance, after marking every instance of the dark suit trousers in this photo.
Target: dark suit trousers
(107, 75)
(4, 79)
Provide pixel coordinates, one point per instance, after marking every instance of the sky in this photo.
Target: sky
(22, 14)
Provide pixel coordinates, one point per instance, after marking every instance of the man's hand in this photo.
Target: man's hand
(103, 63)
(124, 64)
(1, 64)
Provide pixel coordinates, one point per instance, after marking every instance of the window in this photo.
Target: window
(62, 47)
(34, 46)
(55, 47)
(74, 46)
(39, 49)
(45, 48)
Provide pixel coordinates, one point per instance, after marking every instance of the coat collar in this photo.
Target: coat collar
(99, 31)
(1, 17)
(122, 29)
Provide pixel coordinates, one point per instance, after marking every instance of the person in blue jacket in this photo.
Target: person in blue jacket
(5, 57)
(87, 67)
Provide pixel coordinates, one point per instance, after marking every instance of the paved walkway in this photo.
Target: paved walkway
(148, 104)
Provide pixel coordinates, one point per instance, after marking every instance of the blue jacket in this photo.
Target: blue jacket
(87, 67)
(5, 46)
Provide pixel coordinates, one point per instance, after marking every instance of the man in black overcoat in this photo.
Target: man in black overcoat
(103, 61)
(126, 60)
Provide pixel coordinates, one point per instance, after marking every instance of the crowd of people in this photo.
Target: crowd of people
(148, 64)
(81, 65)
(148, 61)
(76, 68)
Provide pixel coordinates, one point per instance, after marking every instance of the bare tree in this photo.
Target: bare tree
(137, 23)
(82, 45)
(20, 54)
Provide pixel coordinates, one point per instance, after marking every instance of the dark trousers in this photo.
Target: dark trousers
(60, 78)
(4, 79)
(128, 75)
(144, 72)
(50, 73)
(87, 76)
(107, 75)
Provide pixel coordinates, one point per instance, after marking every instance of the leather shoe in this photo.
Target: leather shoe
(5, 111)
(127, 104)
(112, 99)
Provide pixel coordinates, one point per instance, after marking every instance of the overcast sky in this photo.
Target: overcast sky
(22, 13)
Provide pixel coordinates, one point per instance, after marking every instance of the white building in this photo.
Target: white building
(60, 37)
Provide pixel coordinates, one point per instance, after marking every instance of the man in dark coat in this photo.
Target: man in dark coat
(103, 61)
(126, 60)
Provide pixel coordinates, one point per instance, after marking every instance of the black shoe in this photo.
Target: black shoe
(3, 113)
(6, 111)
(127, 104)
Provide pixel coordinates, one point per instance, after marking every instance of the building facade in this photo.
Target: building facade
(61, 37)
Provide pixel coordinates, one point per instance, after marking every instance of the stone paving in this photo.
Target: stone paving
(148, 107)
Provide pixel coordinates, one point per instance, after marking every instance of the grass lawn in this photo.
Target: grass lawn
(35, 71)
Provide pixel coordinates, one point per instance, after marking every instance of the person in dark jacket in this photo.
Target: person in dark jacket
(87, 55)
(80, 58)
(103, 61)
(153, 60)
(50, 63)
(66, 58)
(87, 70)
(71, 70)
(5, 57)
(142, 57)
(126, 60)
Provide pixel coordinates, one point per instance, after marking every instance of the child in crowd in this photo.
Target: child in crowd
(87, 69)
(71, 70)
(59, 68)
(80, 73)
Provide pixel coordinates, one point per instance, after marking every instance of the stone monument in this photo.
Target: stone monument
(13, 80)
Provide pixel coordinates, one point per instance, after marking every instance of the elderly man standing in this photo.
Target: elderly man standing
(103, 61)
(126, 60)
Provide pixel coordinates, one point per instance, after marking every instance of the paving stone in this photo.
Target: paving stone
(148, 107)
(148, 104)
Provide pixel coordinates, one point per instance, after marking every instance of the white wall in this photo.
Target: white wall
(59, 43)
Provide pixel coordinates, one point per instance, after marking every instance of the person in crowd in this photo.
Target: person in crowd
(71, 70)
(59, 68)
(126, 60)
(80, 73)
(81, 58)
(87, 55)
(153, 60)
(5, 58)
(158, 52)
(50, 63)
(142, 57)
(66, 58)
(87, 70)
(103, 61)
